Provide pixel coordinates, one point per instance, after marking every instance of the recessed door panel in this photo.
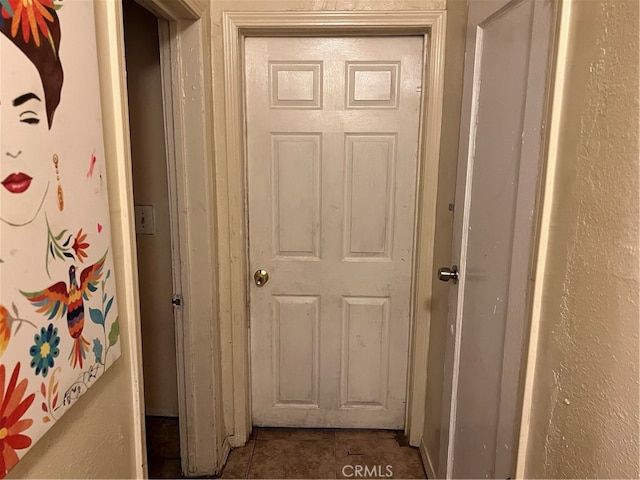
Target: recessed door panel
(365, 350)
(296, 193)
(369, 190)
(295, 350)
(296, 85)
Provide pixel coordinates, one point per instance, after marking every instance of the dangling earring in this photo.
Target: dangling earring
(60, 194)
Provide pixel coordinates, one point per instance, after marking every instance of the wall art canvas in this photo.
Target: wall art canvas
(59, 329)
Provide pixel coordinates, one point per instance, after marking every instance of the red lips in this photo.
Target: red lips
(17, 182)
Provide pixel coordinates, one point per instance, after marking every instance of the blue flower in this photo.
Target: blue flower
(97, 350)
(45, 349)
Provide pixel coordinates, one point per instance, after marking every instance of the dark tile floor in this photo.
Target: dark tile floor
(163, 447)
(273, 453)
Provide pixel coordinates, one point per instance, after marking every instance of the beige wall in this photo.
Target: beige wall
(148, 158)
(102, 436)
(453, 75)
(94, 439)
(584, 421)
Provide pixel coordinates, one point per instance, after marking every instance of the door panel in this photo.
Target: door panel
(296, 195)
(332, 135)
(506, 71)
(369, 191)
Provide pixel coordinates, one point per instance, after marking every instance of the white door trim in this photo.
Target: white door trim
(552, 114)
(231, 178)
(115, 121)
(185, 60)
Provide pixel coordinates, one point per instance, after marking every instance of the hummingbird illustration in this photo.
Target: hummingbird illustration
(57, 300)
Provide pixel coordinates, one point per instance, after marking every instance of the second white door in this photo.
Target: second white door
(332, 145)
(501, 154)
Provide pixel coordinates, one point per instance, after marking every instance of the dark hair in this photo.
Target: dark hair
(44, 57)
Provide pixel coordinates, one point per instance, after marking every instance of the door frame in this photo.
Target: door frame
(185, 49)
(232, 215)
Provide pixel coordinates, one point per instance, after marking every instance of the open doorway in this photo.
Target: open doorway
(153, 238)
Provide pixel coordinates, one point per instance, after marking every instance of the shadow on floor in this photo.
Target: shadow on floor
(274, 453)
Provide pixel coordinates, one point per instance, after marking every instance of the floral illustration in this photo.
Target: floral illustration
(49, 404)
(5, 329)
(53, 261)
(97, 349)
(99, 317)
(6, 321)
(12, 425)
(5, 6)
(58, 300)
(45, 349)
(30, 16)
(60, 246)
(79, 246)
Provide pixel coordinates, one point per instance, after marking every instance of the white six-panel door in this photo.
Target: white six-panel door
(332, 135)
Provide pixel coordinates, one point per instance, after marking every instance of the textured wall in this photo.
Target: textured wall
(584, 420)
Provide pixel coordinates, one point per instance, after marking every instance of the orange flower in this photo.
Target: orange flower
(29, 16)
(5, 329)
(12, 407)
(79, 246)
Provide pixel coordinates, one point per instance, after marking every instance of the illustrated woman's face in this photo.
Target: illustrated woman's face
(25, 165)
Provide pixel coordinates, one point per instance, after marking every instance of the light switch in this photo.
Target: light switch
(145, 224)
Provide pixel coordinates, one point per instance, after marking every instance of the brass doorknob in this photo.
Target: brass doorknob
(261, 277)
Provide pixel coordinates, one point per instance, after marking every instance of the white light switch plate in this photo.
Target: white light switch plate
(145, 224)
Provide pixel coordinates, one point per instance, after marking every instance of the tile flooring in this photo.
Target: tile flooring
(163, 447)
(273, 453)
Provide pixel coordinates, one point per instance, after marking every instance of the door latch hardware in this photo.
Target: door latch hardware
(445, 274)
(176, 301)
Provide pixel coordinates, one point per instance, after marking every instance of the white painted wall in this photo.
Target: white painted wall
(148, 158)
(102, 436)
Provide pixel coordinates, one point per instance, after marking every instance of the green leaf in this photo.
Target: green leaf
(97, 350)
(96, 316)
(108, 307)
(61, 234)
(114, 334)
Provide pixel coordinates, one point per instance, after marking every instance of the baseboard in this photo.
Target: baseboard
(226, 450)
(426, 461)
